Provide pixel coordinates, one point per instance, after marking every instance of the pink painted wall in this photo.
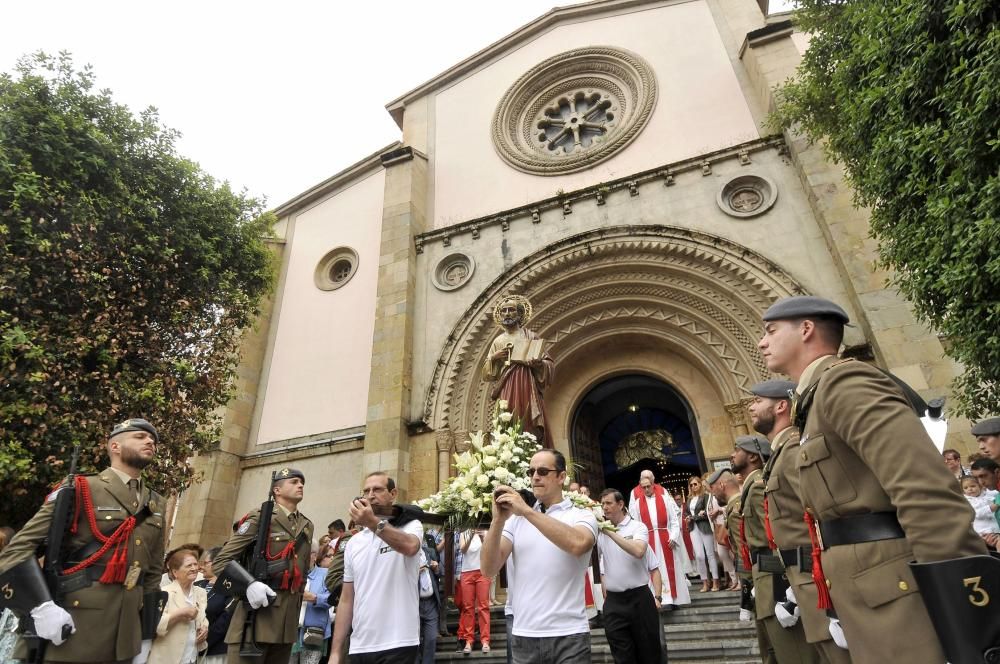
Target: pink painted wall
(700, 107)
(320, 361)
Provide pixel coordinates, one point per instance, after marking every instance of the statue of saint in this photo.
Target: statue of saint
(520, 367)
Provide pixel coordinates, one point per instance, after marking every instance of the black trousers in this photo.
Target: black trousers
(632, 626)
(404, 655)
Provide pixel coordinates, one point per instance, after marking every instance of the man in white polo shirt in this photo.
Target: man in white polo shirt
(550, 546)
(631, 622)
(380, 600)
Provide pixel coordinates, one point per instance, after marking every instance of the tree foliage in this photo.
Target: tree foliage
(906, 95)
(126, 276)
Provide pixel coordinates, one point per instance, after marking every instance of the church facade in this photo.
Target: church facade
(610, 162)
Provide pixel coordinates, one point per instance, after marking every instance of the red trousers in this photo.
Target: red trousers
(475, 600)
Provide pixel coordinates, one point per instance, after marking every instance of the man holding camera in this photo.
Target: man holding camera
(551, 544)
(380, 599)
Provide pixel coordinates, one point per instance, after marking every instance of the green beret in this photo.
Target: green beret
(135, 424)
(773, 389)
(287, 474)
(805, 306)
(754, 445)
(987, 427)
(714, 477)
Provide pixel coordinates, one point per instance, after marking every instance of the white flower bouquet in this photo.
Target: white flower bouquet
(500, 457)
(588, 503)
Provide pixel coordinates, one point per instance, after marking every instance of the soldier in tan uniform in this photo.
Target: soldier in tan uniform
(788, 535)
(729, 490)
(788, 644)
(276, 621)
(871, 480)
(104, 586)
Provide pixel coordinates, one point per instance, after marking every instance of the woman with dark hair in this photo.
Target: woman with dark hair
(216, 613)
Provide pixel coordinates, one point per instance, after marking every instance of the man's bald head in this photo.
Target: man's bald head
(646, 480)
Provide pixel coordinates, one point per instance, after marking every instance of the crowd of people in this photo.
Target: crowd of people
(979, 481)
(823, 520)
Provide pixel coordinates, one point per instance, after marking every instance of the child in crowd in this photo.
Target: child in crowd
(982, 502)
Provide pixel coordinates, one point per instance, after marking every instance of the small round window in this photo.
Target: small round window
(336, 268)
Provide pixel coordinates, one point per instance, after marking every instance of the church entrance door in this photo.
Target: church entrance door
(626, 424)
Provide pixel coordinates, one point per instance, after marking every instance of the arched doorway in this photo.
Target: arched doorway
(630, 423)
(672, 303)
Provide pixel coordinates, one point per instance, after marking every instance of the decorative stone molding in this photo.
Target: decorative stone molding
(444, 439)
(747, 196)
(695, 293)
(462, 442)
(453, 271)
(738, 414)
(574, 110)
(668, 174)
(336, 268)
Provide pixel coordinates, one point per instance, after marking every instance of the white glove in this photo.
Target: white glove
(790, 595)
(786, 619)
(259, 595)
(745, 615)
(837, 632)
(753, 592)
(143, 652)
(50, 620)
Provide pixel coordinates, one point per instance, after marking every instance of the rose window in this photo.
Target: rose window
(574, 110)
(575, 122)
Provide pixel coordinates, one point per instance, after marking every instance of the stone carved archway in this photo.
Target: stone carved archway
(700, 294)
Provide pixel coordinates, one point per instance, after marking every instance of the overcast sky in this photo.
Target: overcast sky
(271, 96)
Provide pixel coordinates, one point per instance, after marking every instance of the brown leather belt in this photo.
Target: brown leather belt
(860, 528)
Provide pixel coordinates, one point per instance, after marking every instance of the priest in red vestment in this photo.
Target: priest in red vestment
(653, 505)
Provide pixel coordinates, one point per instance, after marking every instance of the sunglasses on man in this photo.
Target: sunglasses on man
(541, 472)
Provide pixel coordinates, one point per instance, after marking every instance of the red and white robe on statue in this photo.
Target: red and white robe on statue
(662, 518)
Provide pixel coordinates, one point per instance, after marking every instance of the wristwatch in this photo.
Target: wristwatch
(382, 523)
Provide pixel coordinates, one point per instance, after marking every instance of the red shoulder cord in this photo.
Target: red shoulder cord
(744, 547)
(767, 528)
(289, 580)
(115, 571)
(825, 602)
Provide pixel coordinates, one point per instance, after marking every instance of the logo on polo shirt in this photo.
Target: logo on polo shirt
(384, 549)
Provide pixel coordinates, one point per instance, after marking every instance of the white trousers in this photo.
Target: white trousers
(704, 554)
(728, 563)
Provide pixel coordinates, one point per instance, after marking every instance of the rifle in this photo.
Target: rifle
(258, 570)
(52, 568)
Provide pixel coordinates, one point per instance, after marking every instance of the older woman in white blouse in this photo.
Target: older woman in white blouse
(183, 626)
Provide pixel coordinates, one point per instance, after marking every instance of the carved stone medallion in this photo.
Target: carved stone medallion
(453, 271)
(747, 196)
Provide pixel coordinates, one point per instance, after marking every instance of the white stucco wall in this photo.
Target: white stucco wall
(700, 107)
(320, 360)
